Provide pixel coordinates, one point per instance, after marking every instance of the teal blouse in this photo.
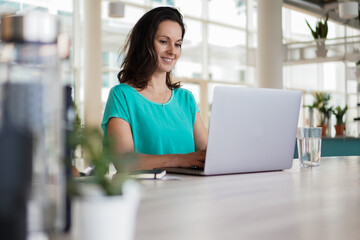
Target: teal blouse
(156, 128)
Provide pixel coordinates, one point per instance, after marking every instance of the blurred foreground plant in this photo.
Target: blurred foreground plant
(100, 152)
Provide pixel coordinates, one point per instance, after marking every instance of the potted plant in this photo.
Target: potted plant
(319, 35)
(325, 114)
(340, 124)
(102, 204)
(321, 104)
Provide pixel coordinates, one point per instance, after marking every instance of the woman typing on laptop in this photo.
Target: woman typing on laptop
(147, 113)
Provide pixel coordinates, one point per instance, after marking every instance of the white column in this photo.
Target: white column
(77, 54)
(92, 62)
(270, 48)
(204, 107)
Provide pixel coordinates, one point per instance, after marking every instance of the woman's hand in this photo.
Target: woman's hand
(194, 159)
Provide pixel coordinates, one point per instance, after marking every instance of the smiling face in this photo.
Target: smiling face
(167, 43)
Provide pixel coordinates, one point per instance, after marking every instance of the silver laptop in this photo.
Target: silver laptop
(251, 130)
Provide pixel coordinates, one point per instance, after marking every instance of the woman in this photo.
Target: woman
(147, 113)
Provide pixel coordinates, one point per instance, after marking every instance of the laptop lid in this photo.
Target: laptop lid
(251, 130)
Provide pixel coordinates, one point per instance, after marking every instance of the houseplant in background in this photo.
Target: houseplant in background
(325, 114)
(340, 124)
(319, 35)
(321, 104)
(104, 206)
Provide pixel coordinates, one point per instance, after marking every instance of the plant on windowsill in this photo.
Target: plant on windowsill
(319, 35)
(325, 114)
(101, 198)
(321, 104)
(340, 124)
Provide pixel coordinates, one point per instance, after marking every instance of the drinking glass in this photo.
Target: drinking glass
(309, 146)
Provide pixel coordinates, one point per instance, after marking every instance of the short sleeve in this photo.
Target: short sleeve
(195, 104)
(116, 106)
(190, 100)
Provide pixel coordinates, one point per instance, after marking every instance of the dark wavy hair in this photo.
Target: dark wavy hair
(140, 60)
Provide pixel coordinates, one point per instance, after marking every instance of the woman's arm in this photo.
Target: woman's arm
(120, 131)
(200, 134)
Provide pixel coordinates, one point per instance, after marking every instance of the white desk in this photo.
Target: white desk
(318, 203)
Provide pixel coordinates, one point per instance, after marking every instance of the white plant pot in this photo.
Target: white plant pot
(321, 49)
(321, 52)
(106, 217)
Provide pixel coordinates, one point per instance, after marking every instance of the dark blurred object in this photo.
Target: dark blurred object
(16, 151)
(69, 123)
(31, 104)
(15, 180)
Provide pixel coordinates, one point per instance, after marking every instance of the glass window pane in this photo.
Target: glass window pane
(135, 1)
(193, 35)
(252, 18)
(110, 59)
(187, 68)
(298, 26)
(350, 31)
(189, 8)
(227, 53)
(105, 80)
(250, 77)
(252, 40)
(226, 37)
(352, 86)
(30, 7)
(63, 5)
(331, 31)
(9, 5)
(301, 77)
(352, 100)
(334, 76)
(195, 89)
(189, 64)
(157, 3)
(229, 12)
(109, 80)
(115, 30)
(337, 99)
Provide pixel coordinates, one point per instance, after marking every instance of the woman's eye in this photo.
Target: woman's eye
(178, 45)
(162, 41)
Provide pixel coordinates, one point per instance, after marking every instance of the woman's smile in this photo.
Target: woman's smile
(168, 60)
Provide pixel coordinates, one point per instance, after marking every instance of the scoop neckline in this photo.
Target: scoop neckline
(156, 103)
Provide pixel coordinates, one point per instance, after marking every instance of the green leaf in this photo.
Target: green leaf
(100, 152)
(312, 31)
(321, 28)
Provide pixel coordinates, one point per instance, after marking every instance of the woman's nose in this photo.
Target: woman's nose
(171, 49)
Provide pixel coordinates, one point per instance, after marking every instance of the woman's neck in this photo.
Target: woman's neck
(158, 82)
(157, 90)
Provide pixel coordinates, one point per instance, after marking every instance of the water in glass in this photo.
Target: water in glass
(309, 151)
